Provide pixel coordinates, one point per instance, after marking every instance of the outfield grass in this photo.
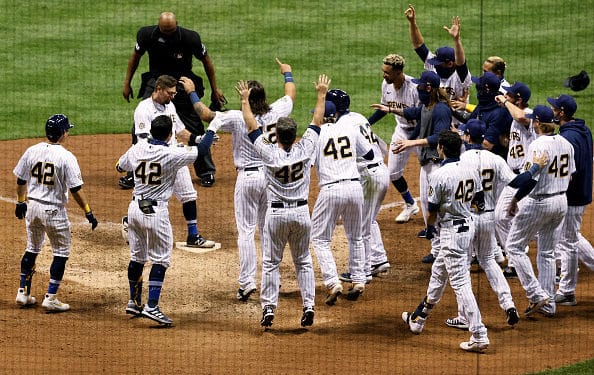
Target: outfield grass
(70, 56)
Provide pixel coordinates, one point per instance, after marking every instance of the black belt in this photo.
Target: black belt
(343, 180)
(459, 222)
(409, 129)
(544, 196)
(430, 160)
(371, 166)
(251, 169)
(283, 205)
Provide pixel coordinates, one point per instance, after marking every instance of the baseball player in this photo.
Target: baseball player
(495, 173)
(375, 178)
(521, 134)
(449, 63)
(432, 117)
(541, 194)
(45, 173)
(250, 187)
(287, 169)
(453, 188)
(156, 164)
(159, 103)
(170, 50)
(341, 194)
(579, 195)
(398, 91)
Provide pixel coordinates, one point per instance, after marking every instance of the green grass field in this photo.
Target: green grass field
(70, 56)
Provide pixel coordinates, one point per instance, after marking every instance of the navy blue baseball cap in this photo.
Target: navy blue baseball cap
(443, 55)
(542, 113)
(329, 109)
(520, 90)
(474, 127)
(489, 80)
(564, 102)
(428, 78)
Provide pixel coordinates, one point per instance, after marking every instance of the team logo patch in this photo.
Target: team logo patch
(141, 125)
(430, 190)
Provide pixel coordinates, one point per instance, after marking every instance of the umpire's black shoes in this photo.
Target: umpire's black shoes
(308, 316)
(207, 180)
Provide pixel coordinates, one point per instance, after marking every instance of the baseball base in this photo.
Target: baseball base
(196, 250)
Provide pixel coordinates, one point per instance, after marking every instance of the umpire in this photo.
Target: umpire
(170, 49)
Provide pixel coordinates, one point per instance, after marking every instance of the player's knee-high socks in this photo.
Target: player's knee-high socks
(56, 274)
(422, 310)
(155, 284)
(402, 186)
(135, 281)
(191, 215)
(27, 270)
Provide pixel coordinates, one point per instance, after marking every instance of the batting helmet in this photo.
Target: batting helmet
(161, 127)
(578, 82)
(56, 126)
(341, 100)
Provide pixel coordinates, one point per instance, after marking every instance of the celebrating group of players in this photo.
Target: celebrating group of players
(497, 164)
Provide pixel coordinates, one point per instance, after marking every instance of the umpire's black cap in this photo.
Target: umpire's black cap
(577, 82)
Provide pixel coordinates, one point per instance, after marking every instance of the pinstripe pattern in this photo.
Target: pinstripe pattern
(520, 139)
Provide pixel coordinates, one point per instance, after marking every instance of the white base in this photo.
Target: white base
(197, 250)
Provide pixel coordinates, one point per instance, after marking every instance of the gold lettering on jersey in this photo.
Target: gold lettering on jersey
(515, 136)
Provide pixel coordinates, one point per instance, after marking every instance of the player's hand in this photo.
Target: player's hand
(217, 97)
(430, 232)
(188, 84)
(21, 210)
(243, 90)
(541, 159)
(284, 68)
(454, 31)
(458, 105)
(91, 218)
(410, 13)
(500, 99)
(381, 107)
(127, 92)
(323, 84)
(512, 209)
(399, 146)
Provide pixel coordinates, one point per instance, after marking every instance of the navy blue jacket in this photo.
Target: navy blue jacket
(579, 192)
(498, 121)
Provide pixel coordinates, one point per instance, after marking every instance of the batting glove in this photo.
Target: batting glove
(21, 210)
(430, 232)
(91, 218)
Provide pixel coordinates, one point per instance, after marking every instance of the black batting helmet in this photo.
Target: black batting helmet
(56, 126)
(161, 127)
(341, 100)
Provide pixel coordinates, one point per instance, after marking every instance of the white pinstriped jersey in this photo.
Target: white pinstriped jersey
(555, 176)
(244, 154)
(338, 146)
(405, 97)
(495, 173)
(155, 168)
(50, 171)
(359, 121)
(453, 85)
(288, 172)
(520, 138)
(147, 110)
(452, 187)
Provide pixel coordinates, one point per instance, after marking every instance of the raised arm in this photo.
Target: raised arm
(416, 37)
(290, 88)
(200, 108)
(454, 32)
(243, 90)
(322, 88)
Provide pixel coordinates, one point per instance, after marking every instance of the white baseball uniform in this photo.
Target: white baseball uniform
(250, 186)
(287, 219)
(405, 97)
(50, 171)
(146, 111)
(542, 211)
(340, 194)
(156, 169)
(453, 187)
(495, 174)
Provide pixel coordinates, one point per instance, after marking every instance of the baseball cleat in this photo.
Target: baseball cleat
(510, 273)
(534, 306)
(457, 322)
(408, 211)
(416, 325)
(422, 233)
(244, 295)
(473, 346)
(133, 309)
(207, 180)
(428, 259)
(333, 294)
(512, 316)
(308, 316)
(565, 300)
(52, 304)
(199, 241)
(268, 316)
(354, 293)
(25, 300)
(154, 313)
(380, 268)
(346, 277)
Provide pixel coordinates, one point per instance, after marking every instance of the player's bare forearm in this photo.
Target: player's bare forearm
(200, 108)
(322, 88)
(130, 70)
(243, 90)
(287, 72)
(416, 37)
